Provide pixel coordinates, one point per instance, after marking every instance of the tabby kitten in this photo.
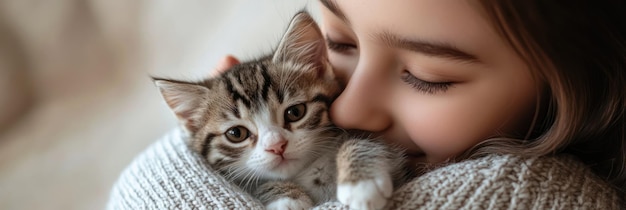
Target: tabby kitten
(264, 125)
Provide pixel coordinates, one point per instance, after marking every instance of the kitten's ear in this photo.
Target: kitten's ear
(304, 43)
(185, 99)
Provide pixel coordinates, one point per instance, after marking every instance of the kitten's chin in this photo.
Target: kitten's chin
(283, 168)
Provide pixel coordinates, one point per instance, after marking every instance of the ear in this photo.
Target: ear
(185, 99)
(304, 43)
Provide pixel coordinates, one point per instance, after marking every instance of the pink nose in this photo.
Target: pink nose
(278, 147)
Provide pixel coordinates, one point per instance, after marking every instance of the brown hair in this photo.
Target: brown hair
(577, 50)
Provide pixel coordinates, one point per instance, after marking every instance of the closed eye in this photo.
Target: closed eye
(425, 86)
(339, 47)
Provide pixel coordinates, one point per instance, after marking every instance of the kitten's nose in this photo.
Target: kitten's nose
(277, 147)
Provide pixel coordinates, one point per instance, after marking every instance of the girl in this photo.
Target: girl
(456, 79)
(508, 104)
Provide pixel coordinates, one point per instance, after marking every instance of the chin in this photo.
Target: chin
(284, 169)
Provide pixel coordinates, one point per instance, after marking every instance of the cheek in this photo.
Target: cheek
(448, 126)
(445, 131)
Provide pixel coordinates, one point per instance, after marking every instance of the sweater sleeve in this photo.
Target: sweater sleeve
(505, 182)
(169, 176)
(508, 182)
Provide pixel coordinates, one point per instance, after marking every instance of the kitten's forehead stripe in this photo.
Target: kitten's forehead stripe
(206, 144)
(258, 84)
(280, 95)
(235, 111)
(240, 81)
(266, 82)
(248, 82)
(236, 95)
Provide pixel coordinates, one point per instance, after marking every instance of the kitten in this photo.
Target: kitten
(265, 125)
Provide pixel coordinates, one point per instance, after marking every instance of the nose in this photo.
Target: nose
(277, 147)
(362, 104)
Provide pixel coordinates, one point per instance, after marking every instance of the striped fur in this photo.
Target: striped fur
(259, 98)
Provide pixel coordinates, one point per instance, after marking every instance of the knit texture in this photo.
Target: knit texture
(169, 176)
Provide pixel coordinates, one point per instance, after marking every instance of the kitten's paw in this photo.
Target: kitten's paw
(288, 203)
(366, 194)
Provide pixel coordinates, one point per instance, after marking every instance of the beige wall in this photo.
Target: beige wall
(76, 100)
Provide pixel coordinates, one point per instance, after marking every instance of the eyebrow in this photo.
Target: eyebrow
(436, 49)
(332, 6)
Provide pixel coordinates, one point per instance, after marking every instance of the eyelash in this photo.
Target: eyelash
(339, 47)
(425, 86)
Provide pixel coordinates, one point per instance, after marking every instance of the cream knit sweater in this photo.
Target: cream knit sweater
(169, 176)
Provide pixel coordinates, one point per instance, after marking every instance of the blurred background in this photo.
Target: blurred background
(76, 100)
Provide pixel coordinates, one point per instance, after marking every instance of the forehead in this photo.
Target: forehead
(459, 23)
(257, 83)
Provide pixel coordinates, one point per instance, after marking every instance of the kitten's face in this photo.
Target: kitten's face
(266, 118)
(276, 135)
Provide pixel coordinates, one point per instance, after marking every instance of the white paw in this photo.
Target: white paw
(366, 194)
(288, 203)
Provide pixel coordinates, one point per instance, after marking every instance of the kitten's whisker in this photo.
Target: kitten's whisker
(237, 173)
(257, 179)
(233, 173)
(249, 178)
(252, 178)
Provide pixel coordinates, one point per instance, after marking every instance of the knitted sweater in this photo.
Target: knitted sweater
(169, 176)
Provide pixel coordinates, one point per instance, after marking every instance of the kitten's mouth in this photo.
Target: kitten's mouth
(282, 161)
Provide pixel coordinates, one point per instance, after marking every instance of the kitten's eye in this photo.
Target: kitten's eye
(237, 134)
(295, 113)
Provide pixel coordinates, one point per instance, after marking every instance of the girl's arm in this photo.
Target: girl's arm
(168, 175)
(506, 182)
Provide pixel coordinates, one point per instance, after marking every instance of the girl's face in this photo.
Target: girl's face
(432, 75)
